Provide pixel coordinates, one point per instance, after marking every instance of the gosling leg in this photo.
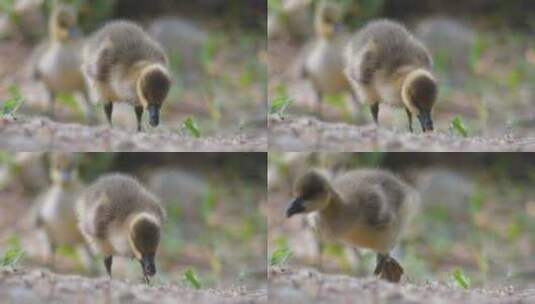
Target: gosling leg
(51, 104)
(375, 112)
(107, 263)
(409, 116)
(139, 116)
(319, 109)
(108, 110)
(90, 114)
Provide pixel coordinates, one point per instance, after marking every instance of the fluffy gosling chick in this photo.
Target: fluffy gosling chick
(123, 64)
(57, 62)
(324, 63)
(386, 64)
(361, 208)
(56, 211)
(119, 217)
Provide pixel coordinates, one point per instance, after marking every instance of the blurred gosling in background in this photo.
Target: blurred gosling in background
(55, 209)
(57, 61)
(324, 62)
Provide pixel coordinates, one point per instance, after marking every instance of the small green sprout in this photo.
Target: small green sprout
(13, 103)
(191, 276)
(13, 254)
(280, 256)
(192, 127)
(458, 126)
(279, 105)
(460, 278)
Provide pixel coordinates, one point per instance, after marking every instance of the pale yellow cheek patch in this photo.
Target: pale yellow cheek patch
(136, 252)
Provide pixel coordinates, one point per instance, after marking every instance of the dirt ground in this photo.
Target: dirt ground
(307, 285)
(39, 134)
(37, 286)
(310, 134)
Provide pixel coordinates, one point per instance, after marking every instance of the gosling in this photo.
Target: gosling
(324, 63)
(361, 208)
(123, 64)
(386, 64)
(57, 61)
(56, 211)
(119, 217)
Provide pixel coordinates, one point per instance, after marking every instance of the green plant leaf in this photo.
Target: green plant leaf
(460, 278)
(191, 276)
(458, 125)
(13, 254)
(280, 256)
(13, 103)
(279, 105)
(191, 126)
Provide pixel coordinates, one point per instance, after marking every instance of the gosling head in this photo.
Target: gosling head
(312, 192)
(419, 93)
(328, 19)
(152, 87)
(63, 168)
(144, 240)
(63, 23)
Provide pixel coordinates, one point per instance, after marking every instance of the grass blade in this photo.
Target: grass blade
(280, 256)
(192, 278)
(461, 279)
(458, 125)
(192, 127)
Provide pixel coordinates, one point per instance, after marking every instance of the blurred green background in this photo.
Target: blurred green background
(215, 226)
(476, 220)
(483, 51)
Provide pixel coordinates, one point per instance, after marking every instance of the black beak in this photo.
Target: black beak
(295, 207)
(147, 262)
(426, 121)
(154, 115)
